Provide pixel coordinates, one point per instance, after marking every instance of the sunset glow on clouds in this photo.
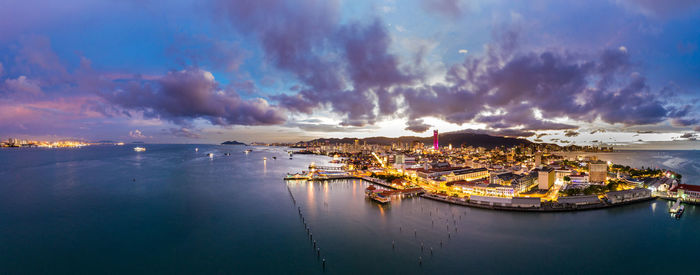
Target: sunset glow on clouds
(206, 71)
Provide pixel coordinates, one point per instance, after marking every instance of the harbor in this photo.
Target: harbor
(383, 192)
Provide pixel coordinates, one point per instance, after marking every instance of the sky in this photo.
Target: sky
(611, 72)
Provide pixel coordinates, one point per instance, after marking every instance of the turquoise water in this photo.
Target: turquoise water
(173, 210)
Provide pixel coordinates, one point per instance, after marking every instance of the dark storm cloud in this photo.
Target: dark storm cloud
(417, 125)
(182, 96)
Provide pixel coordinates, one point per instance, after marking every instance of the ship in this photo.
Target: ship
(210, 155)
(139, 149)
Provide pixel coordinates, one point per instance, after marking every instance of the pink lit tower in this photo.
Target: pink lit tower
(435, 140)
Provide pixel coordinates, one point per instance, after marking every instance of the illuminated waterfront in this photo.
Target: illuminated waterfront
(171, 209)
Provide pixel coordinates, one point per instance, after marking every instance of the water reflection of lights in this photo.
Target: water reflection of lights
(264, 166)
(310, 192)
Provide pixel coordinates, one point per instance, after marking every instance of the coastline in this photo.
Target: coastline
(540, 209)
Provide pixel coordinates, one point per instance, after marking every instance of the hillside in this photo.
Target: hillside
(457, 139)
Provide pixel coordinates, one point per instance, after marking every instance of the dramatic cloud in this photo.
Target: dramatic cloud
(182, 96)
(571, 133)
(349, 68)
(344, 66)
(417, 125)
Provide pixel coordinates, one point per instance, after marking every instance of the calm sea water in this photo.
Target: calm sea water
(170, 209)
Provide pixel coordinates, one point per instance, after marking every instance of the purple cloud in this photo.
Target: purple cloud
(182, 96)
(417, 125)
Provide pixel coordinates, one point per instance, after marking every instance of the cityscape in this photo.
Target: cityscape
(524, 178)
(346, 137)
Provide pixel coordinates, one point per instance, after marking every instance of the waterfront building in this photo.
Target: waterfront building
(525, 202)
(579, 200)
(686, 192)
(497, 201)
(598, 171)
(628, 195)
(545, 178)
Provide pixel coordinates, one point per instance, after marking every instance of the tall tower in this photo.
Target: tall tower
(435, 140)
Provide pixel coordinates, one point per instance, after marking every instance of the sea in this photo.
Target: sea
(174, 210)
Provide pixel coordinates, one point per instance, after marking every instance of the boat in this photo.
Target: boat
(196, 149)
(139, 149)
(680, 212)
(210, 155)
(248, 150)
(264, 158)
(274, 157)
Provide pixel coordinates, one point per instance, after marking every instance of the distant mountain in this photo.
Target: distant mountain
(233, 143)
(457, 139)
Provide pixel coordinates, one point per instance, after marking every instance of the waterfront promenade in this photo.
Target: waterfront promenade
(548, 206)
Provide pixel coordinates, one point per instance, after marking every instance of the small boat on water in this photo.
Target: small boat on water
(264, 158)
(196, 149)
(139, 149)
(677, 209)
(248, 150)
(274, 157)
(680, 212)
(210, 155)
